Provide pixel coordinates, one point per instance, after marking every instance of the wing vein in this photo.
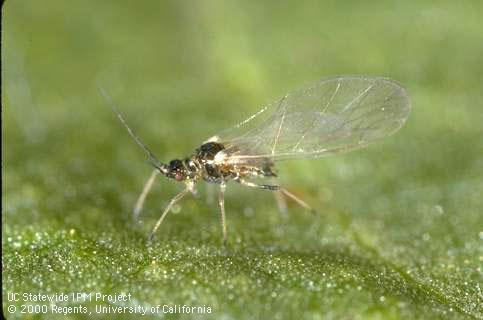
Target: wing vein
(278, 133)
(358, 97)
(332, 116)
(331, 98)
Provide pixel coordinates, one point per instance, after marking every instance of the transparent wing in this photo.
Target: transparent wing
(331, 116)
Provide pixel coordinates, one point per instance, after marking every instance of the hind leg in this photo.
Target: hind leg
(281, 203)
(278, 189)
(296, 199)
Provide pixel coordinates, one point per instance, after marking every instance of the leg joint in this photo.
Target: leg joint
(270, 187)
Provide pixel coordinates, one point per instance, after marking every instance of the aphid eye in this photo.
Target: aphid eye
(178, 176)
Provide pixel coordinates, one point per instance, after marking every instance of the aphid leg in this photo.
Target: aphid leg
(279, 189)
(140, 202)
(259, 186)
(210, 193)
(281, 203)
(296, 199)
(168, 207)
(221, 201)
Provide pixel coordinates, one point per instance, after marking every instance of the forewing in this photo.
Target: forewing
(332, 116)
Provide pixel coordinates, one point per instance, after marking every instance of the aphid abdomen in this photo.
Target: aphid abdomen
(205, 155)
(212, 174)
(208, 150)
(267, 170)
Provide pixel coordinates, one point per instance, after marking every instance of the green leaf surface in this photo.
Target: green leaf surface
(399, 226)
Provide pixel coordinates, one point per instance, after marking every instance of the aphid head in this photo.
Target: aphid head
(175, 170)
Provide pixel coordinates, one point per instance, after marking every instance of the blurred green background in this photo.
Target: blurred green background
(399, 231)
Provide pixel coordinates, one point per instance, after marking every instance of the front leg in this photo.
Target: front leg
(171, 203)
(142, 197)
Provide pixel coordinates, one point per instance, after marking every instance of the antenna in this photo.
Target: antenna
(152, 158)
